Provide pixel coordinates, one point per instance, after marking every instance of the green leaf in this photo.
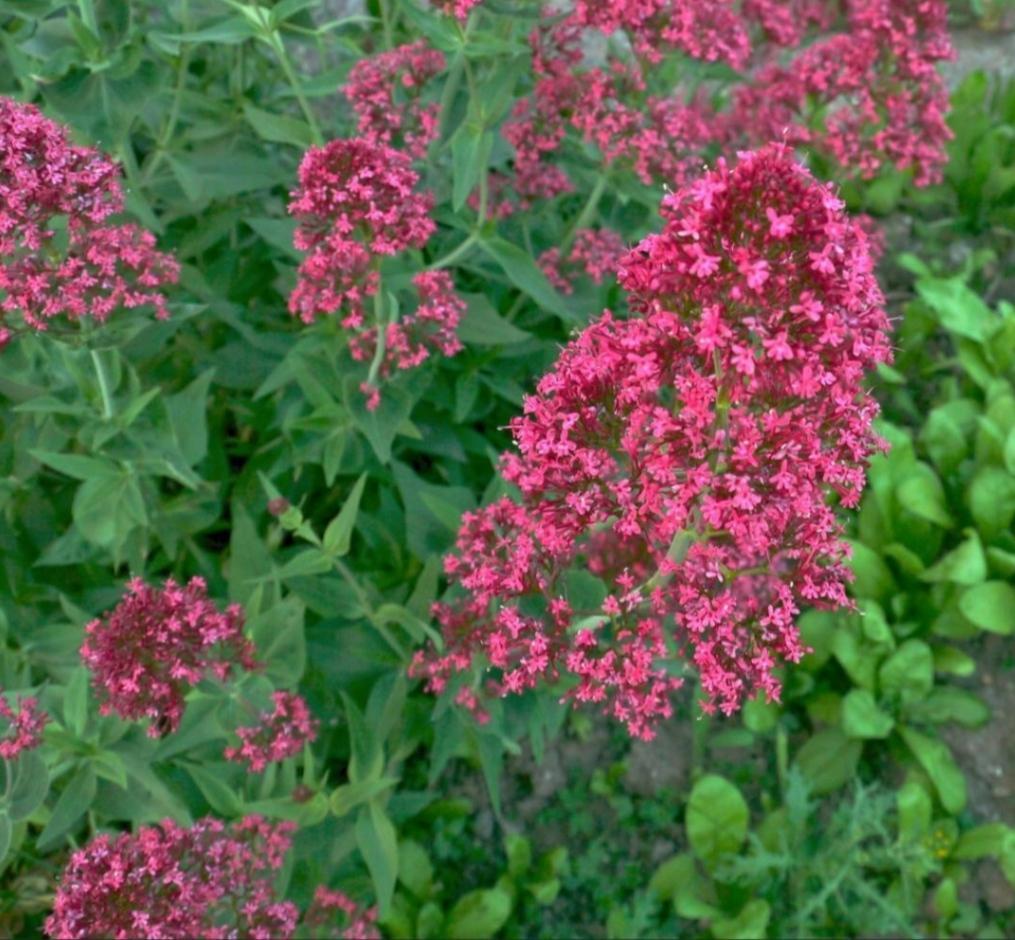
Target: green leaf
(990, 840)
(950, 660)
(346, 798)
(750, 923)
(923, 495)
(908, 673)
(415, 870)
(990, 606)
(367, 755)
(523, 272)
(280, 641)
(948, 703)
(991, 499)
(470, 156)
(74, 801)
(935, 758)
(6, 834)
(958, 307)
(861, 717)
(338, 535)
(75, 702)
(378, 843)
(482, 325)
(716, 819)
(873, 577)
(915, 811)
(29, 786)
(828, 760)
(519, 854)
(382, 425)
(277, 128)
(479, 915)
(220, 796)
(188, 419)
(78, 466)
(963, 565)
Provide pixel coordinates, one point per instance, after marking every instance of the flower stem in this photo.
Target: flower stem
(583, 218)
(382, 336)
(452, 256)
(283, 58)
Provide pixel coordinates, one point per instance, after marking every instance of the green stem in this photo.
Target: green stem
(585, 216)
(699, 741)
(782, 758)
(104, 389)
(283, 57)
(364, 602)
(386, 23)
(452, 256)
(166, 136)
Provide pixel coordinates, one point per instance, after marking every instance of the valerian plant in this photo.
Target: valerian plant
(280, 283)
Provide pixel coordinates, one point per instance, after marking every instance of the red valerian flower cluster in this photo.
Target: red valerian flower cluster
(357, 924)
(597, 253)
(279, 734)
(356, 204)
(158, 642)
(687, 455)
(168, 881)
(59, 253)
(855, 81)
(26, 723)
(384, 91)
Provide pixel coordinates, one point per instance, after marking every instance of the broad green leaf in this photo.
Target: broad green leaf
(79, 466)
(29, 787)
(74, 801)
(861, 717)
(216, 791)
(187, 412)
(916, 810)
(959, 308)
(482, 325)
(923, 495)
(519, 854)
(873, 577)
(716, 820)
(990, 606)
(378, 844)
(935, 758)
(987, 841)
(828, 760)
(415, 870)
(991, 500)
(347, 797)
(367, 756)
(908, 673)
(278, 128)
(280, 641)
(470, 156)
(75, 702)
(963, 565)
(948, 703)
(338, 535)
(523, 272)
(750, 923)
(479, 915)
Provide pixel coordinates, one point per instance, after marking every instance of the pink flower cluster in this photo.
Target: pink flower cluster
(26, 724)
(59, 253)
(687, 456)
(597, 253)
(855, 81)
(459, 9)
(155, 644)
(356, 204)
(358, 924)
(279, 734)
(168, 881)
(374, 83)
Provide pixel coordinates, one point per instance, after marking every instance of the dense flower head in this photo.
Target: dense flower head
(158, 642)
(278, 734)
(595, 252)
(356, 204)
(384, 90)
(855, 81)
(686, 455)
(25, 724)
(338, 915)
(208, 880)
(60, 253)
